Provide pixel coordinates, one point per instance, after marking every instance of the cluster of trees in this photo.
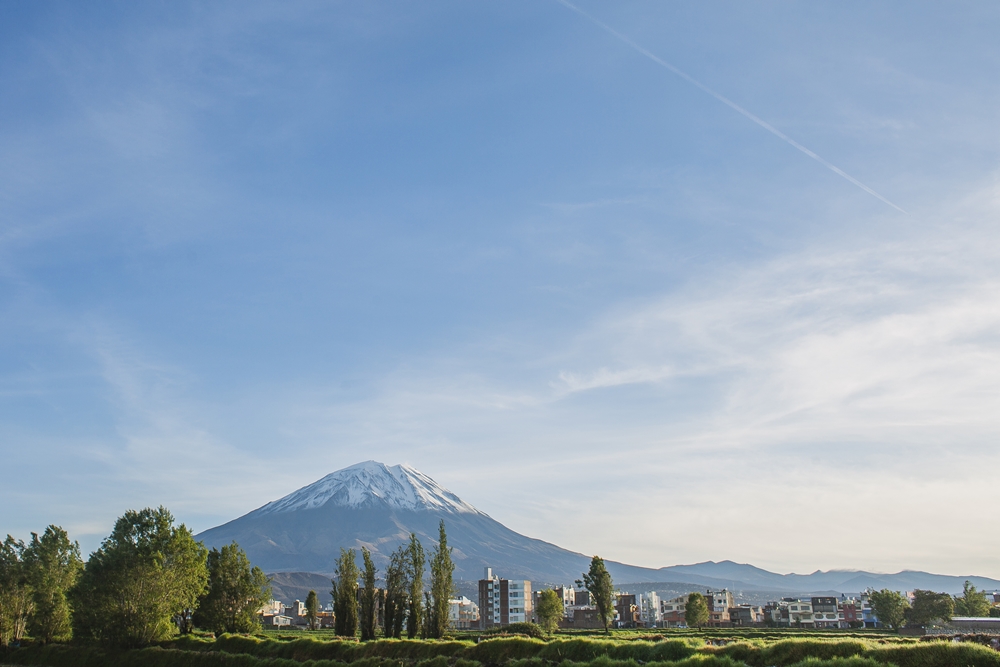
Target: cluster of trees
(403, 602)
(35, 582)
(148, 580)
(894, 610)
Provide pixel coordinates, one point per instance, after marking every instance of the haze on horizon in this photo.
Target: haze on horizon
(245, 245)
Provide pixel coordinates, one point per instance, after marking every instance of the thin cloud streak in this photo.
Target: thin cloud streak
(732, 105)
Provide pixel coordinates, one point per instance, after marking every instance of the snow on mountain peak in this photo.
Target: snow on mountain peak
(371, 484)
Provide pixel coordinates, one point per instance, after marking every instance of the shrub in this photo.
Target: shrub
(527, 629)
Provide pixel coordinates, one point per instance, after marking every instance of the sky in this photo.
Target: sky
(665, 282)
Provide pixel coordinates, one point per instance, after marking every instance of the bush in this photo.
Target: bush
(526, 629)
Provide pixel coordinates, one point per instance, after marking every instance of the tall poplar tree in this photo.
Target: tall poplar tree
(696, 611)
(602, 592)
(53, 564)
(312, 610)
(442, 586)
(345, 594)
(415, 576)
(397, 588)
(369, 618)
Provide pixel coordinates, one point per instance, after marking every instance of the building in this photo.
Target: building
(649, 609)
(503, 601)
(626, 610)
(672, 612)
(826, 612)
(719, 603)
(746, 615)
(463, 613)
(277, 620)
(800, 613)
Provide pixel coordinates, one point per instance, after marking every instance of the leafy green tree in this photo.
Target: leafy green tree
(415, 577)
(53, 564)
(442, 586)
(145, 573)
(929, 606)
(602, 591)
(369, 615)
(397, 587)
(550, 610)
(16, 599)
(236, 593)
(972, 603)
(889, 607)
(312, 609)
(696, 611)
(345, 594)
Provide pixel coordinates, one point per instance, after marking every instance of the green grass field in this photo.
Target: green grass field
(664, 648)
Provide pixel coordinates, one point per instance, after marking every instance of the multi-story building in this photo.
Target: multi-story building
(746, 615)
(826, 612)
(627, 610)
(649, 609)
(503, 601)
(800, 613)
(672, 611)
(463, 613)
(719, 603)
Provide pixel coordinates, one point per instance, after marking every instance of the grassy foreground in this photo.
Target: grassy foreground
(690, 649)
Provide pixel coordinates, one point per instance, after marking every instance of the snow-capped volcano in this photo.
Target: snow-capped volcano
(373, 484)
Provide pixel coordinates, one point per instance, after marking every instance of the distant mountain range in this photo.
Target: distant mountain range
(378, 506)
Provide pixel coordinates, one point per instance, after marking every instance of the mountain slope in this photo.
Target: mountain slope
(378, 506)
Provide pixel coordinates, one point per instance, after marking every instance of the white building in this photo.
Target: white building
(503, 601)
(463, 613)
(649, 609)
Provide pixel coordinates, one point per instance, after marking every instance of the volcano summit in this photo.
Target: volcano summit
(377, 506)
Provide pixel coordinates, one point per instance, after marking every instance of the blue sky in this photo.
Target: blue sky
(243, 245)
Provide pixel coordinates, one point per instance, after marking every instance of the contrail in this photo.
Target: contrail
(729, 103)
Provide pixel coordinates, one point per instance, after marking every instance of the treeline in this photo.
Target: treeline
(148, 580)
(894, 610)
(403, 605)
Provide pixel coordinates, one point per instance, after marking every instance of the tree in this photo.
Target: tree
(696, 610)
(442, 586)
(16, 599)
(144, 574)
(53, 564)
(312, 609)
(415, 577)
(972, 603)
(397, 586)
(236, 593)
(889, 607)
(369, 616)
(602, 592)
(345, 594)
(549, 610)
(929, 606)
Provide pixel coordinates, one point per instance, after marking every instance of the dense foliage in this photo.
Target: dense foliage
(442, 586)
(397, 590)
(415, 577)
(369, 596)
(549, 610)
(696, 610)
(146, 573)
(345, 594)
(889, 607)
(236, 592)
(602, 592)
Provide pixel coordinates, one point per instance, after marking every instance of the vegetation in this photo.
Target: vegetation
(972, 602)
(16, 599)
(602, 593)
(696, 611)
(345, 594)
(731, 647)
(312, 610)
(549, 610)
(236, 592)
(146, 573)
(369, 617)
(415, 577)
(442, 586)
(929, 606)
(890, 607)
(397, 587)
